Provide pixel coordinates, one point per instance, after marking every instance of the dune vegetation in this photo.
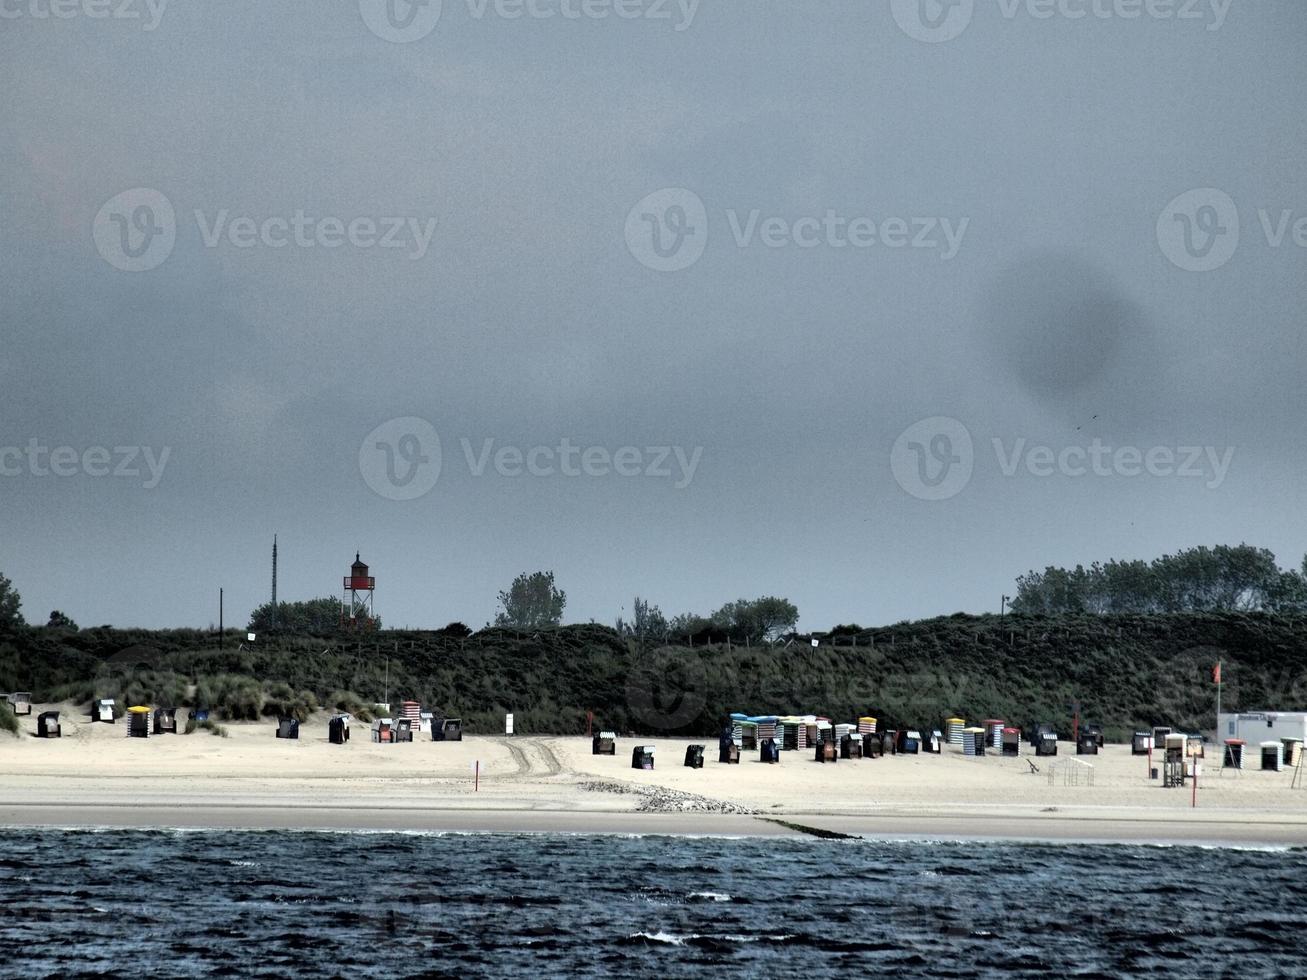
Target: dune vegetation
(1124, 671)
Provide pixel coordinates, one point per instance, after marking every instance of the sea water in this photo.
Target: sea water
(121, 903)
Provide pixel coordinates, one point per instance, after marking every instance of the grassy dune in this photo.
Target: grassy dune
(1126, 672)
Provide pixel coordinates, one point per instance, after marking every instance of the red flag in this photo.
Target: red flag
(1216, 674)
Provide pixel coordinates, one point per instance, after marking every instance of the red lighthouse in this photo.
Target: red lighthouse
(356, 600)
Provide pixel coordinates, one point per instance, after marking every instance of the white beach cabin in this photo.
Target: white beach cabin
(1255, 727)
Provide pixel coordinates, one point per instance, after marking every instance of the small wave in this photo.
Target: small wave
(665, 938)
(709, 897)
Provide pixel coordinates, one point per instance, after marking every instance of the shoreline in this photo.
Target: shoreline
(97, 777)
(1131, 829)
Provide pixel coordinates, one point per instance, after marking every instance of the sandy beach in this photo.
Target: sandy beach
(96, 776)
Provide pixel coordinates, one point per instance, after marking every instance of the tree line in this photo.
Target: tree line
(1224, 578)
(534, 601)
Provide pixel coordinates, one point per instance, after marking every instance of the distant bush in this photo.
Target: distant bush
(232, 697)
(351, 703)
(153, 688)
(8, 722)
(77, 692)
(283, 701)
(212, 727)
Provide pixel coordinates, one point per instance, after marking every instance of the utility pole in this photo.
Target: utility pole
(1002, 607)
(274, 581)
(220, 636)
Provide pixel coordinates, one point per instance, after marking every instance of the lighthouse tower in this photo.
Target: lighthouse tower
(356, 599)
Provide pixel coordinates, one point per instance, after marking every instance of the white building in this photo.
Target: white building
(1255, 727)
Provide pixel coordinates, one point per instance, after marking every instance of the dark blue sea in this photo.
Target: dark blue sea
(281, 904)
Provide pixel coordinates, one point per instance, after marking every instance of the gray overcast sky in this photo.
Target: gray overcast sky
(1051, 283)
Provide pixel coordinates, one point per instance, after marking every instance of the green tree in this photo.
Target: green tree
(10, 618)
(1225, 578)
(688, 624)
(766, 618)
(61, 621)
(531, 601)
(648, 622)
(315, 616)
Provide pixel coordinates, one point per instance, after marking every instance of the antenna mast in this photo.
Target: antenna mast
(274, 581)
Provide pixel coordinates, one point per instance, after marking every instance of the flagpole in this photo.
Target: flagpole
(1218, 702)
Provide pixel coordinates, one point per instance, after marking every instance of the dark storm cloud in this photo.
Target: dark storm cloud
(527, 318)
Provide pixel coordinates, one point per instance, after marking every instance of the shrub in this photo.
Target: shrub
(281, 700)
(350, 702)
(8, 722)
(76, 692)
(212, 727)
(231, 696)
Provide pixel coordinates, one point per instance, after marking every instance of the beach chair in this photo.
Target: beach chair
(1233, 758)
(1272, 756)
(694, 757)
(47, 725)
(1094, 729)
(850, 747)
(605, 743)
(20, 702)
(288, 728)
(769, 752)
(642, 757)
(1292, 752)
(165, 721)
(138, 722)
(953, 728)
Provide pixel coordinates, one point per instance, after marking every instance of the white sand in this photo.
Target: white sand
(95, 775)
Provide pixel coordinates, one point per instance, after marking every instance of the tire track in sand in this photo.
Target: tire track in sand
(522, 751)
